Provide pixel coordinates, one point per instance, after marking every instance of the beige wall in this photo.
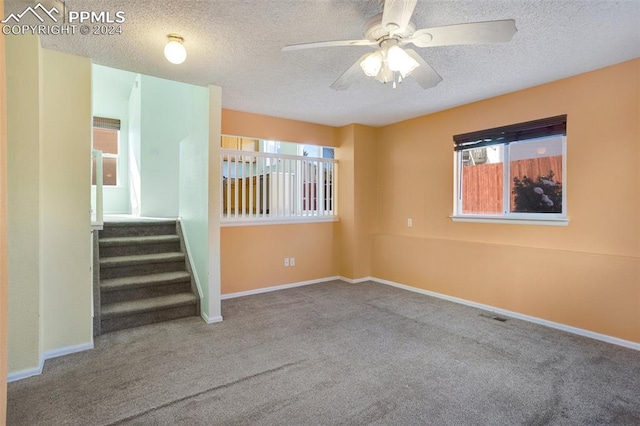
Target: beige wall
(585, 275)
(252, 257)
(24, 205)
(211, 307)
(65, 177)
(3, 230)
(49, 140)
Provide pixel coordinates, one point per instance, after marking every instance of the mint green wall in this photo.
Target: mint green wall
(135, 124)
(164, 124)
(111, 89)
(193, 183)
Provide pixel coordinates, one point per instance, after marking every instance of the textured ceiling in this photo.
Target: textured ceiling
(236, 44)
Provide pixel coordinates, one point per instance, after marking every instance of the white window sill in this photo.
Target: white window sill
(511, 220)
(276, 221)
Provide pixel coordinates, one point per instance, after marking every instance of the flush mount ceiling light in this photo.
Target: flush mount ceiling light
(174, 51)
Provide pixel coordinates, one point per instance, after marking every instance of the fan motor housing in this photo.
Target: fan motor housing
(375, 31)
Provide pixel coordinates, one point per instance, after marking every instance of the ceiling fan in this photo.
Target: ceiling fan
(389, 31)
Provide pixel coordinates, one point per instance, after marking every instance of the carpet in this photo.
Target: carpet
(336, 354)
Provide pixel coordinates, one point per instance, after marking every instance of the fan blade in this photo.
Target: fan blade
(472, 33)
(344, 81)
(425, 75)
(397, 14)
(329, 44)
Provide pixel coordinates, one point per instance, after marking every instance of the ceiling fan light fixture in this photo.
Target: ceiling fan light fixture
(385, 75)
(174, 50)
(371, 64)
(400, 61)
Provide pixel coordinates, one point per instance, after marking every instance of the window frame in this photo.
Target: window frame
(506, 136)
(113, 124)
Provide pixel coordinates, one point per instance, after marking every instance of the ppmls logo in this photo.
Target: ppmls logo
(100, 22)
(33, 11)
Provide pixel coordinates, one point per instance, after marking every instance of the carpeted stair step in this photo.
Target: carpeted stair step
(127, 246)
(138, 228)
(113, 290)
(143, 264)
(117, 316)
(144, 276)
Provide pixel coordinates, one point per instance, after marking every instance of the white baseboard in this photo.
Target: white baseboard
(528, 318)
(211, 320)
(355, 280)
(276, 288)
(23, 374)
(191, 264)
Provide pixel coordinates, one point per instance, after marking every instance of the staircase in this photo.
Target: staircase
(144, 275)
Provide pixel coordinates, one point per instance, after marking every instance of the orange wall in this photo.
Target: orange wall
(357, 199)
(585, 275)
(239, 123)
(252, 257)
(3, 230)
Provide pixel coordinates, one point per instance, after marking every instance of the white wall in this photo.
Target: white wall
(111, 89)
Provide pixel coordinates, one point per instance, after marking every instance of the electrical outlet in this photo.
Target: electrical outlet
(409, 222)
(292, 261)
(286, 262)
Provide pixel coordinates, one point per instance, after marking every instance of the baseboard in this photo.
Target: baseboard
(276, 288)
(211, 320)
(190, 259)
(558, 326)
(355, 280)
(23, 374)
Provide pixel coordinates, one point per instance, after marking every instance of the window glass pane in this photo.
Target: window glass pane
(272, 147)
(105, 140)
(536, 175)
(93, 171)
(109, 171)
(315, 151)
(312, 151)
(482, 180)
(328, 153)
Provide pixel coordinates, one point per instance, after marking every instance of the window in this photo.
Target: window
(106, 133)
(512, 174)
